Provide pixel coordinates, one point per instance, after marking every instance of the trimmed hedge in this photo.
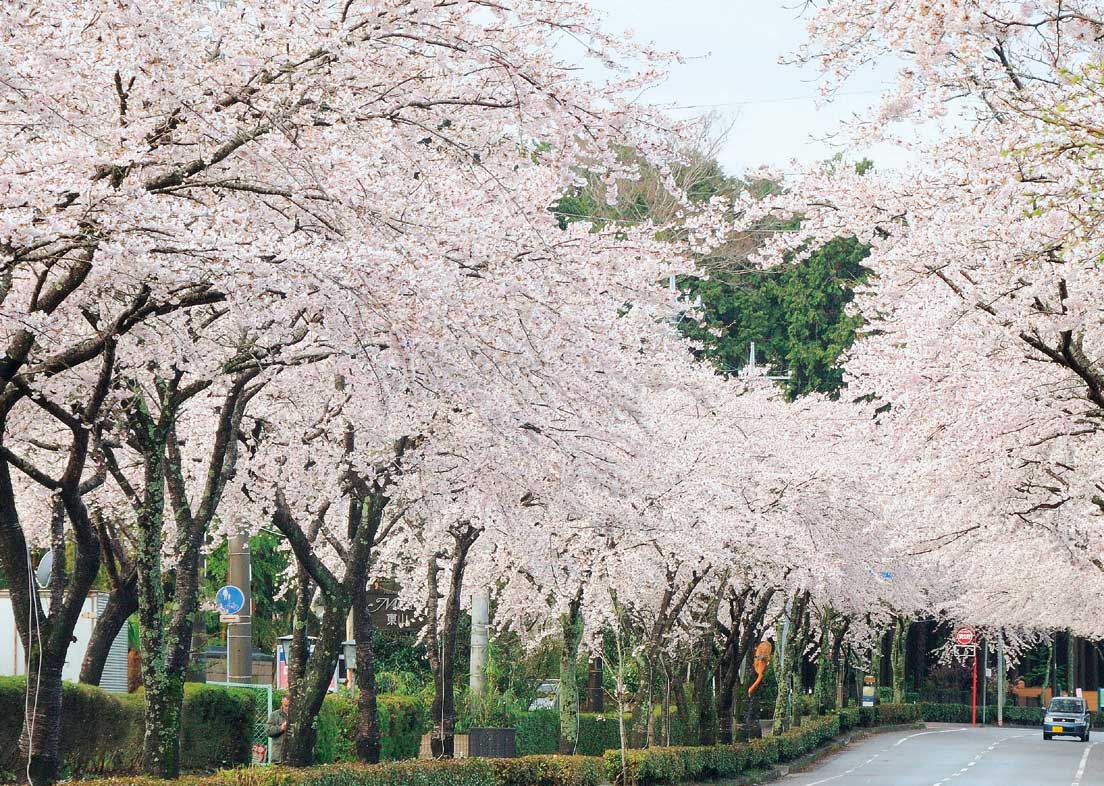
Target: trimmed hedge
(889, 714)
(1013, 716)
(530, 771)
(849, 718)
(538, 732)
(102, 732)
(403, 720)
(549, 771)
(456, 772)
(702, 763)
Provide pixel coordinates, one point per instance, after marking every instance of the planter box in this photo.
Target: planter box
(492, 743)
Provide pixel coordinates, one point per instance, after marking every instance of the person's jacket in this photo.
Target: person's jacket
(276, 719)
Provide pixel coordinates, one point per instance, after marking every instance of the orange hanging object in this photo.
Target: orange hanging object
(763, 652)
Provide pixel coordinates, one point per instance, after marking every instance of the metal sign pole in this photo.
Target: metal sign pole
(984, 678)
(973, 702)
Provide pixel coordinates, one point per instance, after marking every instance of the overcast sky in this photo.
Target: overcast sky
(732, 49)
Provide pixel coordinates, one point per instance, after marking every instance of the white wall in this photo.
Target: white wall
(12, 659)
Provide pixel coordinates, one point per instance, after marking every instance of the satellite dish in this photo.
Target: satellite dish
(45, 569)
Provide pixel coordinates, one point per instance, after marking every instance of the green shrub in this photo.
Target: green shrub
(458, 772)
(889, 714)
(895, 714)
(944, 713)
(538, 732)
(849, 718)
(216, 728)
(402, 719)
(598, 733)
(548, 771)
(102, 732)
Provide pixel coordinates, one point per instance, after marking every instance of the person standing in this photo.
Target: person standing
(276, 729)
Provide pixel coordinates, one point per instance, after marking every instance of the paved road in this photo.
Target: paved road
(946, 755)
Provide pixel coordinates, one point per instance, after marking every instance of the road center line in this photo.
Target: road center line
(1081, 769)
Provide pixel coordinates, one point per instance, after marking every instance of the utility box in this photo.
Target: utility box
(492, 743)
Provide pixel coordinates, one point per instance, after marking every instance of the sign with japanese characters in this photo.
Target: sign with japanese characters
(388, 614)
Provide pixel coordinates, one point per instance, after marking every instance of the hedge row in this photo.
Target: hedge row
(403, 720)
(455, 772)
(538, 732)
(531, 771)
(549, 771)
(102, 732)
(1013, 716)
(702, 763)
(889, 714)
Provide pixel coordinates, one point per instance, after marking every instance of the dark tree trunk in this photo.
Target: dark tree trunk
(571, 626)
(368, 730)
(442, 643)
(121, 603)
(308, 694)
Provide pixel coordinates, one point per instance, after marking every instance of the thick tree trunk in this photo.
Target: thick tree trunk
(825, 677)
(368, 729)
(706, 698)
(787, 666)
(307, 695)
(897, 657)
(41, 734)
(443, 642)
(571, 624)
(121, 603)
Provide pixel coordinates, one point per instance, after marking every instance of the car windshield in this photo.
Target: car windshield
(1066, 705)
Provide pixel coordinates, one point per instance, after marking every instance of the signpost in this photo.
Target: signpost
(965, 641)
(230, 600)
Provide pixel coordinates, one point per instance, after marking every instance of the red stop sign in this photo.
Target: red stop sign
(964, 636)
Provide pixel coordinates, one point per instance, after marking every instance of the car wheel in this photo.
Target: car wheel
(1086, 737)
(1046, 736)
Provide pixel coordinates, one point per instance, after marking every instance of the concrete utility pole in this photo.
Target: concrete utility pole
(1000, 683)
(239, 635)
(481, 609)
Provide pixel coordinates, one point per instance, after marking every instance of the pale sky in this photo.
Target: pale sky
(732, 49)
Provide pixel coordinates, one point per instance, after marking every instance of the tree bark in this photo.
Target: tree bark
(571, 625)
(443, 643)
(121, 603)
(897, 657)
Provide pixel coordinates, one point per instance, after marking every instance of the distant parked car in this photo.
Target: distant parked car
(548, 693)
(1067, 716)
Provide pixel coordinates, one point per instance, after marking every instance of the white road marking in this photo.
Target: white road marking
(922, 733)
(1081, 769)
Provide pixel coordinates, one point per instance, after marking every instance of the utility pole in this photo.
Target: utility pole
(1000, 683)
(239, 635)
(481, 604)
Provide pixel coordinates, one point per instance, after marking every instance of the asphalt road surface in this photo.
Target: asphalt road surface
(946, 755)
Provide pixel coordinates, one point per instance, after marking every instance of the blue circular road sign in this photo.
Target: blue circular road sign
(230, 599)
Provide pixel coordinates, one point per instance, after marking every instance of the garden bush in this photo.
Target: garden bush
(102, 732)
(889, 714)
(1013, 716)
(403, 720)
(549, 771)
(538, 732)
(680, 764)
(458, 772)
